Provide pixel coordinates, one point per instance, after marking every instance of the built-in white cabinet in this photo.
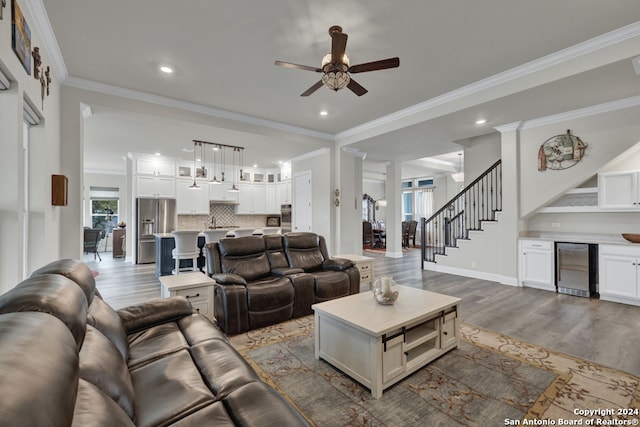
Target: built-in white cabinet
(619, 190)
(251, 199)
(537, 264)
(155, 186)
(154, 177)
(284, 191)
(192, 201)
(271, 195)
(619, 271)
(155, 167)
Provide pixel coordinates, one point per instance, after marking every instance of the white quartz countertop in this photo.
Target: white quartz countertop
(593, 238)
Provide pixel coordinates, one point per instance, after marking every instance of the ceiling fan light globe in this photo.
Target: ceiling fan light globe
(326, 60)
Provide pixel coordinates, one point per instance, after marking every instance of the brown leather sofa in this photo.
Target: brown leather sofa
(263, 280)
(68, 359)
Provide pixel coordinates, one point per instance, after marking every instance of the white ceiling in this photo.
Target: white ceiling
(502, 60)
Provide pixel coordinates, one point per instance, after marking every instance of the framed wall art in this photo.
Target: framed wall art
(21, 36)
(561, 152)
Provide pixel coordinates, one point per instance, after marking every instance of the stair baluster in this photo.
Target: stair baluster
(477, 202)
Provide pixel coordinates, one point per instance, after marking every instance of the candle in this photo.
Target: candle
(386, 285)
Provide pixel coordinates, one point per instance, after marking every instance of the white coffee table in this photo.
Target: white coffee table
(378, 345)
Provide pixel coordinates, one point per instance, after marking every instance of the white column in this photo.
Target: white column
(507, 249)
(393, 212)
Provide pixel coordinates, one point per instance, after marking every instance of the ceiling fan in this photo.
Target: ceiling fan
(336, 69)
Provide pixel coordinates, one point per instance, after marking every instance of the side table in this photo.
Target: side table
(364, 265)
(196, 287)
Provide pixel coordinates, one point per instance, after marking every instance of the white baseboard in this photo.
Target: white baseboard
(475, 274)
(393, 254)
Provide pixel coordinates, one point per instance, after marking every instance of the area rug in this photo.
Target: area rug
(491, 379)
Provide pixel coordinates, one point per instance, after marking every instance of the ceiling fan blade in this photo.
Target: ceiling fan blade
(313, 88)
(375, 65)
(356, 88)
(298, 67)
(338, 46)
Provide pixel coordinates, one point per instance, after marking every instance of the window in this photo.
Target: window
(417, 199)
(425, 183)
(407, 205)
(105, 208)
(424, 203)
(104, 214)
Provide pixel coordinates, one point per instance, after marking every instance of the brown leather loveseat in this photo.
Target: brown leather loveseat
(266, 280)
(68, 359)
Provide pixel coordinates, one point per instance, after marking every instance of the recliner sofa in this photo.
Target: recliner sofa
(264, 280)
(68, 359)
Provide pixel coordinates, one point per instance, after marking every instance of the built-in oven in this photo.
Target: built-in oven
(285, 218)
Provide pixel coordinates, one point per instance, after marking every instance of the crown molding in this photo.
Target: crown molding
(164, 101)
(355, 152)
(537, 65)
(310, 155)
(606, 107)
(42, 25)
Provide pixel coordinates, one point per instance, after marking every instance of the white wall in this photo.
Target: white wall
(482, 152)
(320, 165)
(607, 134)
(594, 222)
(44, 160)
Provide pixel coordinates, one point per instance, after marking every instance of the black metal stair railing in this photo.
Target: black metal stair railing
(477, 202)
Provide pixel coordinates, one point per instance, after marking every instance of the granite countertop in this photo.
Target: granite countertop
(594, 238)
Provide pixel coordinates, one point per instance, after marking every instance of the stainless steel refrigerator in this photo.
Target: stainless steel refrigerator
(153, 216)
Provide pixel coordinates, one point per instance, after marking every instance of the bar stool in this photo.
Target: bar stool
(241, 232)
(186, 248)
(214, 235)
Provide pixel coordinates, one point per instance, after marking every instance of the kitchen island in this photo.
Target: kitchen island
(165, 243)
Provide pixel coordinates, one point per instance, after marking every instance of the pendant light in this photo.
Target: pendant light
(203, 164)
(234, 188)
(214, 178)
(458, 176)
(194, 186)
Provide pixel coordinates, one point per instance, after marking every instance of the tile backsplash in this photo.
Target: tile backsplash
(225, 217)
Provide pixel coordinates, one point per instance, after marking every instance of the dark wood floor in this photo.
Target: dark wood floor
(600, 331)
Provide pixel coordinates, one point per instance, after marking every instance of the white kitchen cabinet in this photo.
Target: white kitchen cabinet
(284, 190)
(619, 271)
(155, 167)
(271, 202)
(192, 201)
(251, 199)
(537, 264)
(619, 191)
(155, 186)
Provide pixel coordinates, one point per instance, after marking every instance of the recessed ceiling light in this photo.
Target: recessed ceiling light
(481, 121)
(255, 165)
(166, 70)
(324, 113)
(158, 154)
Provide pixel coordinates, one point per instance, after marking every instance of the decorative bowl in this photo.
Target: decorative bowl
(631, 237)
(385, 298)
